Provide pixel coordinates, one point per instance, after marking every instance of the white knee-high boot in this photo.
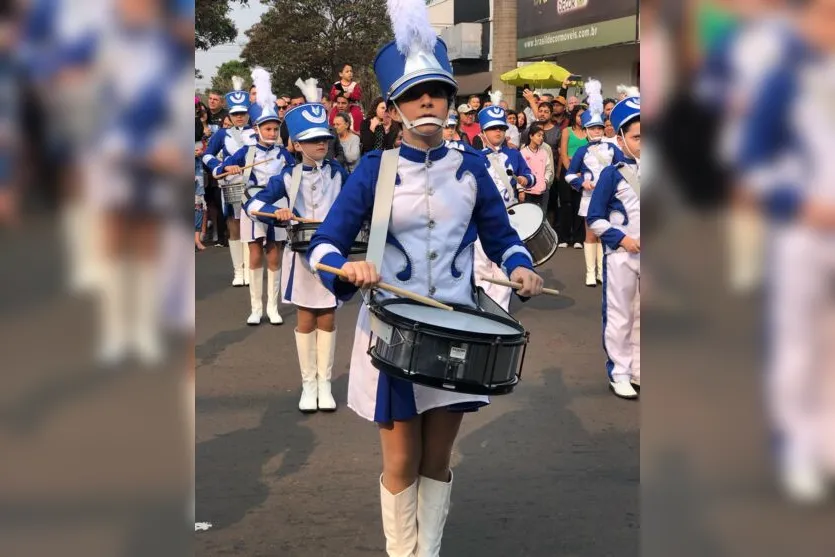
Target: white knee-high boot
(147, 334)
(590, 253)
(256, 294)
(237, 254)
(599, 262)
(326, 348)
(273, 290)
(307, 349)
(432, 511)
(245, 249)
(400, 520)
(113, 318)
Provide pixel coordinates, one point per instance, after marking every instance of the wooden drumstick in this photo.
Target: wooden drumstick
(393, 289)
(294, 217)
(225, 174)
(518, 285)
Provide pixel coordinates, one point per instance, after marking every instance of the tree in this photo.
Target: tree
(222, 81)
(314, 38)
(212, 25)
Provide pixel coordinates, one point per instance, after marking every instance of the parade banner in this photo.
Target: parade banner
(554, 26)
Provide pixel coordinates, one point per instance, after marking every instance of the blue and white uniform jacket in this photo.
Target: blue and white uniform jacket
(226, 142)
(261, 174)
(512, 160)
(615, 207)
(586, 163)
(443, 200)
(784, 160)
(320, 185)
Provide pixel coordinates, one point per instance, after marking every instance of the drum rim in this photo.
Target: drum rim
(379, 305)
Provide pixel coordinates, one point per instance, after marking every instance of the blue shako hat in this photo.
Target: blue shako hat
(492, 117)
(415, 56)
(308, 121)
(624, 112)
(590, 119)
(237, 100)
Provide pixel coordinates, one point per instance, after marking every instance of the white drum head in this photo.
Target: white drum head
(455, 320)
(525, 218)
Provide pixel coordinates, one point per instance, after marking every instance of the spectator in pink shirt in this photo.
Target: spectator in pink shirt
(538, 155)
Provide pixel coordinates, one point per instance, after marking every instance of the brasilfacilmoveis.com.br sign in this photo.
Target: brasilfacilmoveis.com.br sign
(554, 26)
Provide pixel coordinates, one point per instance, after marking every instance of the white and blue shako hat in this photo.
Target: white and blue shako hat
(624, 112)
(594, 115)
(264, 109)
(415, 56)
(492, 117)
(308, 121)
(237, 100)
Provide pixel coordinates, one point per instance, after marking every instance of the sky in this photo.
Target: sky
(208, 61)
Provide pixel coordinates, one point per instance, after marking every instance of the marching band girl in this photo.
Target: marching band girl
(258, 163)
(586, 165)
(319, 182)
(224, 143)
(443, 199)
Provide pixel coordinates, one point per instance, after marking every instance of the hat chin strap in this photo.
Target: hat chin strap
(412, 125)
(261, 137)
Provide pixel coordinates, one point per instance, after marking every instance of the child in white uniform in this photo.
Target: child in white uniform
(443, 199)
(257, 235)
(586, 165)
(615, 216)
(320, 182)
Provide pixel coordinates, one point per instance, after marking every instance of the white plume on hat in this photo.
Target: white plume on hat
(309, 89)
(595, 96)
(495, 97)
(410, 23)
(263, 88)
(628, 90)
(237, 83)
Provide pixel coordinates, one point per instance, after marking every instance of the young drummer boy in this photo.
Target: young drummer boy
(615, 217)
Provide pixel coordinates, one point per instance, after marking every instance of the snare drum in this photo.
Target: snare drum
(232, 195)
(469, 351)
(530, 223)
(301, 233)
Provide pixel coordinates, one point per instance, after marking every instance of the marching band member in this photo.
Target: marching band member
(509, 171)
(614, 215)
(586, 165)
(225, 143)
(320, 180)
(443, 200)
(257, 235)
(788, 171)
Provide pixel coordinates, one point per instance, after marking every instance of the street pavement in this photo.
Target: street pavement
(551, 470)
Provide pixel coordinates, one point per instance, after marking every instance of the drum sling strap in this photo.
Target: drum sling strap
(500, 171)
(631, 178)
(250, 158)
(383, 196)
(295, 182)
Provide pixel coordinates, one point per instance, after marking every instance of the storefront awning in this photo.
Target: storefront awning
(474, 84)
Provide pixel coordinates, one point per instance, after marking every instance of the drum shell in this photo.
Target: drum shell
(300, 235)
(469, 364)
(542, 245)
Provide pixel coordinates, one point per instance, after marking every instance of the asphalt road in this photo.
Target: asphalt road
(551, 470)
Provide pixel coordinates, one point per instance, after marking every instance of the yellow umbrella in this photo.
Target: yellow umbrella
(538, 74)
